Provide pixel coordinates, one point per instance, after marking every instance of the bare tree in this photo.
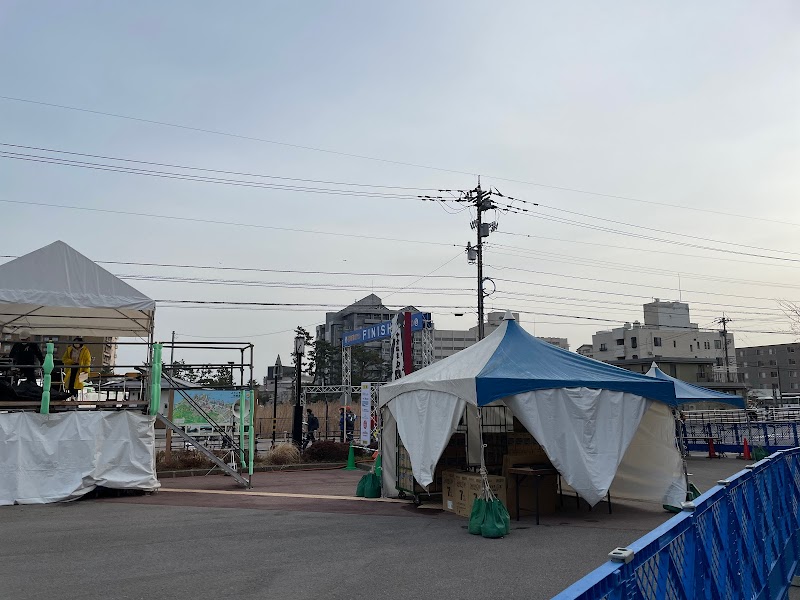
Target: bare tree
(792, 312)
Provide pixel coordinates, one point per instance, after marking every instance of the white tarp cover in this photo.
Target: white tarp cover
(58, 291)
(62, 456)
(425, 421)
(652, 468)
(584, 432)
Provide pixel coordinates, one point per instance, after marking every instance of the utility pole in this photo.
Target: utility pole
(724, 321)
(172, 356)
(483, 202)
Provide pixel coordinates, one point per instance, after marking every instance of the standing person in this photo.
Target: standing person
(341, 424)
(350, 423)
(26, 355)
(312, 425)
(76, 354)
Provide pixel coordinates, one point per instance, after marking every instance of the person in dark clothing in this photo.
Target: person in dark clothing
(312, 425)
(350, 423)
(27, 355)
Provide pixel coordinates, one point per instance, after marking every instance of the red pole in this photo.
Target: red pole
(408, 357)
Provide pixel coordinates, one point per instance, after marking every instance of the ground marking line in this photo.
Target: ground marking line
(285, 495)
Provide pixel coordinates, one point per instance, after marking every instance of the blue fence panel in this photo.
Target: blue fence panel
(739, 541)
(729, 437)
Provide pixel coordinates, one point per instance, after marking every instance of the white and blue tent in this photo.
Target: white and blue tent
(601, 426)
(686, 392)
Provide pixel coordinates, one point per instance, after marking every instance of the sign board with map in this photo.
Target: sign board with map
(221, 405)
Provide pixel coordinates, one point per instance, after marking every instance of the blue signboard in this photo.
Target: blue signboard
(381, 331)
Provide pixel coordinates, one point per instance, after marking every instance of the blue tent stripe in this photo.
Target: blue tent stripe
(523, 363)
(686, 392)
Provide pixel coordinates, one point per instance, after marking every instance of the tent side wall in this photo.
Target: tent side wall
(62, 456)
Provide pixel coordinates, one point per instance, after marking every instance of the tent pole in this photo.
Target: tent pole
(679, 426)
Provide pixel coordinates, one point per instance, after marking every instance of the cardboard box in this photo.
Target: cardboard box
(548, 495)
(448, 490)
(468, 486)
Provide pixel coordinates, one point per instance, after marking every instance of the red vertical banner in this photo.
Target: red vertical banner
(408, 356)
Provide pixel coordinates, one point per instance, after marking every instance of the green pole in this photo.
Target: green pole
(47, 369)
(241, 428)
(155, 384)
(251, 431)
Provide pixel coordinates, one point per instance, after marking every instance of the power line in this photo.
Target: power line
(218, 222)
(384, 160)
(207, 170)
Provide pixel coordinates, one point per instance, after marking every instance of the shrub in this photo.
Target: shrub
(182, 459)
(283, 454)
(327, 452)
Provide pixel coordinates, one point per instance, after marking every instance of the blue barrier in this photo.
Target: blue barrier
(740, 541)
(729, 437)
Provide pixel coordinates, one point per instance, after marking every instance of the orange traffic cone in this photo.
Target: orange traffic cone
(746, 450)
(711, 452)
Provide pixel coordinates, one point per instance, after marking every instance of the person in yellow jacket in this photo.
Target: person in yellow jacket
(76, 354)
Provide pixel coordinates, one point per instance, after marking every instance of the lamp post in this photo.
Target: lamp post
(297, 425)
(276, 375)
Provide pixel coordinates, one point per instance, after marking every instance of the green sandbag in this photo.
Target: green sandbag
(476, 517)
(361, 487)
(372, 486)
(497, 521)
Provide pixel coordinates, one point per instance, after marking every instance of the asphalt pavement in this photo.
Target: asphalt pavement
(300, 542)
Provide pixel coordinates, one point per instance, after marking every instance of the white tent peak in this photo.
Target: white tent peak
(509, 316)
(59, 275)
(56, 290)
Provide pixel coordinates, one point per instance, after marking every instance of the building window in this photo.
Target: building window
(760, 352)
(773, 363)
(792, 361)
(603, 347)
(762, 375)
(744, 364)
(719, 361)
(761, 363)
(691, 349)
(674, 343)
(747, 375)
(635, 356)
(620, 341)
(792, 373)
(773, 373)
(795, 386)
(634, 343)
(620, 358)
(741, 352)
(717, 344)
(790, 348)
(656, 341)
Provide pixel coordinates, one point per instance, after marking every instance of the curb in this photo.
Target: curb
(261, 469)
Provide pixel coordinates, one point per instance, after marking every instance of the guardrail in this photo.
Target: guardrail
(729, 437)
(738, 540)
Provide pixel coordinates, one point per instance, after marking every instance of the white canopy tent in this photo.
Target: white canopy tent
(602, 427)
(56, 290)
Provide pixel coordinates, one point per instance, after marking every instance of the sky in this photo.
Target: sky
(660, 141)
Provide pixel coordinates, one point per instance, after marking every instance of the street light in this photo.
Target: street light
(297, 425)
(276, 375)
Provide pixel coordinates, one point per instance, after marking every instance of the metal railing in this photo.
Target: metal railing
(729, 436)
(738, 540)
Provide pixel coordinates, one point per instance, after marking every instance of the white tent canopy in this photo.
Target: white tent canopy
(602, 427)
(58, 291)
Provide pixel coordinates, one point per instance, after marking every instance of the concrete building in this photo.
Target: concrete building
(773, 367)
(667, 332)
(447, 342)
(586, 350)
(560, 342)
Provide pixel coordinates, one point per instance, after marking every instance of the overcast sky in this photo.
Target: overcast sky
(691, 107)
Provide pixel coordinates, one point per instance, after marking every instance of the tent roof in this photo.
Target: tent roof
(686, 392)
(57, 290)
(512, 361)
